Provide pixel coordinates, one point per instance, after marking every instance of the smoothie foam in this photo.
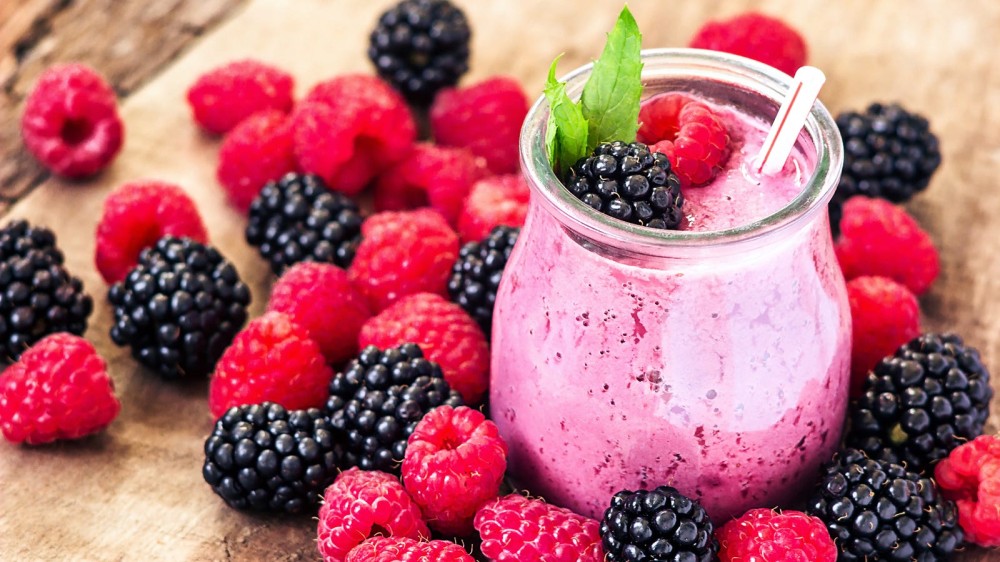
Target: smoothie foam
(724, 376)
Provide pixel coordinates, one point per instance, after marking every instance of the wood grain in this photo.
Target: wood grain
(136, 490)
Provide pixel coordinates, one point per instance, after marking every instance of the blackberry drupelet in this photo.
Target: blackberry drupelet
(660, 524)
(377, 401)
(931, 396)
(263, 457)
(179, 307)
(476, 275)
(630, 183)
(299, 219)
(420, 47)
(38, 296)
(888, 153)
(877, 510)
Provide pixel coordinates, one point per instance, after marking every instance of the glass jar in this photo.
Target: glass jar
(715, 362)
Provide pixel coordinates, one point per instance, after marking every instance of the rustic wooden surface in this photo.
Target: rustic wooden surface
(135, 491)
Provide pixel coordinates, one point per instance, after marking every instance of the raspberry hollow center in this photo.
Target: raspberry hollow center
(75, 131)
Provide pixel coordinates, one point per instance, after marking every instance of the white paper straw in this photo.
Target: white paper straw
(790, 119)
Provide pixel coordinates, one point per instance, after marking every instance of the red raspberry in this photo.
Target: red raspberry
(70, 121)
(970, 476)
(440, 177)
(350, 128)
(763, 534)
(454, 463)
(879, 238)
(320, 298)
(257, 151)
(58, 389)
(486, 118)
(494, 201)
(135, 216)
(515, 528)
(885, 315)
(447, 335)
(271, 360)
(402, 549)
(401, 254)
(223, 97)
(360, 504)
(756, 36)
(693, 138)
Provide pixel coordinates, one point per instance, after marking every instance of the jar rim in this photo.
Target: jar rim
(638, 240)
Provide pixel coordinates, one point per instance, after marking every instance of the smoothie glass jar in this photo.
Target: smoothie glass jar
(716, 362)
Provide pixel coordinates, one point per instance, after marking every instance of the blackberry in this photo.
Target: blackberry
(38, 296)
(263, 457)
(929, 397)
(660, 524)
(179, 307)
(476, 275)
(888, 153)
(877, 510)
(299, 219)
(420, 47)
(376, 402)
(629, 183)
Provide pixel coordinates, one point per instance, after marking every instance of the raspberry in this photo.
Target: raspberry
(135, 216)
(763, 534)
(689, 133)
(970, 476)
(361, 503)
(440, 177)
(446, 333)
(334, 312)
(257, 151)
(59, 389)
(272, 360)
(485, 118)
(885, 315)
(494, 201)
(756, 36)
(879, 238)
(516, 528)
(350, 128)
(223, 97)
(454, 463)
(402, 549)
(402, 253)
(70, 121)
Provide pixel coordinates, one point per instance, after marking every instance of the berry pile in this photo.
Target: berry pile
(349, 390)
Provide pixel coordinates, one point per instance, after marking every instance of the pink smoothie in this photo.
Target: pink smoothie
(722, 374)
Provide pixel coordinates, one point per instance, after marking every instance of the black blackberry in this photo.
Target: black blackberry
(377, 401)
(476, 275)
(420, 47)
(888, 153)
(179, 307)
(630, 183)
(877, 510)
(660, 524)
(922, 402)
(263, 457)
(299, 219)
(38, 296)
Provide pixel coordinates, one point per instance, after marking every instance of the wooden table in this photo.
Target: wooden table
(135, 491)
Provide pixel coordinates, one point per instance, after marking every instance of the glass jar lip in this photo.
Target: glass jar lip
(640, 240)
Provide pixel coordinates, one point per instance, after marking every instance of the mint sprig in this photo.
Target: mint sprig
(609, 107)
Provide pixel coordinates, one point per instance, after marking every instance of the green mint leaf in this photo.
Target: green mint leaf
(566, 131)
(611, 95)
